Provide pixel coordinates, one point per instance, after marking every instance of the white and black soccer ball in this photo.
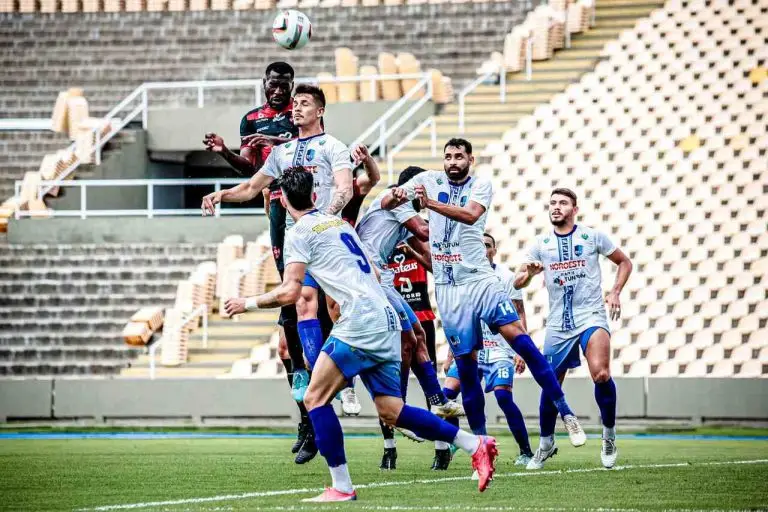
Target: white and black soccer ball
(291, 29)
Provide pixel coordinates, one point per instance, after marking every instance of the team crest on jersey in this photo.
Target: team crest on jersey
(578, 249)
(443, 197)
(584, 236)
(310, 155)
(463, 201)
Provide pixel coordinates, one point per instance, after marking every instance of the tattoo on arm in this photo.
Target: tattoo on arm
(269, 299)
(340, 199)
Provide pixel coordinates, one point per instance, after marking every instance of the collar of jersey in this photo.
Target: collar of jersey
(313, 211)
(311, 137)
(567, 234)
(454, 184)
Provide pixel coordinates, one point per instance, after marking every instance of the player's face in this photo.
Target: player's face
(490, 249)
(277, 89)
(456, 163)
(561, 210)
(306, 111)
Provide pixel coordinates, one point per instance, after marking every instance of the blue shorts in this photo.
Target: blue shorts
(562, 348)
(500, 373)
(403, 309)
(463, 307)
(381, 377)
(310, 281)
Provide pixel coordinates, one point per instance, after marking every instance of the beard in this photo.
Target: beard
(558, 223)
(456, 173)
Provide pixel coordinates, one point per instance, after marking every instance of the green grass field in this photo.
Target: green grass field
(258, 474)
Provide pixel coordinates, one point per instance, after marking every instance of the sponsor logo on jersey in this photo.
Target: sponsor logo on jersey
(399, 268)
(578, 250)
(444, 246)
(322, 142)
(447, 258)
(585, 236)
(546, 240)
(443, 197)
(439, 181)
(278, 117)
(276, 253)
(454, 340)
(567, 265)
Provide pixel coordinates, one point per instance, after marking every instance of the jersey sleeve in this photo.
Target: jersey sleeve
(404, 212)
(604, 244)
(244, 126)
(482, 193)
(509, 286)
(340, 157)
(410, 185)
(297, 249)
(533, 253)
(270, 167)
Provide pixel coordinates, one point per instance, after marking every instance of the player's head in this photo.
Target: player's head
(490, 246)
(308, 105)
(457, 159)
(562, 206)
(408, 173)
(278, 84)
(297, 185)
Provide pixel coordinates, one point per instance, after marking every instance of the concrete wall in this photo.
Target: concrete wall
(269, 399)
(182, 129)
(98, 230)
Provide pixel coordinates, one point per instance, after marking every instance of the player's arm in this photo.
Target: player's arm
(343, 183)
(265, 193)
(372, 175)
(418, 227)
(526, 273)
(238, 194)
(240, 163)
(622, 275)
(419, 251)
(479, 200)
(520, 307)
(287, 293)
(448, 361)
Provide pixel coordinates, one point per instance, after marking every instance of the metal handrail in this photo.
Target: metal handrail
(150, 211)
(468, 89)
(407, 140)
(201, 310)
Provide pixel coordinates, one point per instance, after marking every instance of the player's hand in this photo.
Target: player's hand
(258, 139)
(533, 268)
(209, 203)
(519, 365)
(214, 143)
(421, 195)
(614, 305)
(399, 194)
(360, 154)
(234, 306)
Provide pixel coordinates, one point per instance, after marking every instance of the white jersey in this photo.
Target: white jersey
(495, 348)
(331, 250)
(572, 274)
(381, 231)
(322, 155)
(458, 250)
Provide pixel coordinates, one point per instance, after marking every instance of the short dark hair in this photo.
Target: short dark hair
(491, 237)
(459, 143)
(314, 91)
(297, 184)
(281, 68)
(565, 192)
(408, 173)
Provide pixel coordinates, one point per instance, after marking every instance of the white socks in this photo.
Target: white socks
(441, 445)
(390, 443)
(609, 433)
(546, 442)
(467, 442)
(341, 479)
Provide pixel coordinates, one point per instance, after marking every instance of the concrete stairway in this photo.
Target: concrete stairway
(228, 341)
(486, 118)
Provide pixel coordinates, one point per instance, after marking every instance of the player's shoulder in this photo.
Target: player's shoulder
(254, 114)
(587, 233)
(328, 141)
(504, 272)
(480, 181)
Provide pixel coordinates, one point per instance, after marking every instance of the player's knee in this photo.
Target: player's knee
(601, 375)
(512, 331)
(388, 414)
(313, 399)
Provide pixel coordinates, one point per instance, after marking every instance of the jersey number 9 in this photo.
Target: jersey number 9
(349, 241)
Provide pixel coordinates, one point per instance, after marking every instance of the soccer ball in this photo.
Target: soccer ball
(291, 29)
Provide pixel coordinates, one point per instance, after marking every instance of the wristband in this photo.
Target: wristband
(251, 304)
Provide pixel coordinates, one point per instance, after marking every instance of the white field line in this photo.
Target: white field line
(373, 485)
(405, 508)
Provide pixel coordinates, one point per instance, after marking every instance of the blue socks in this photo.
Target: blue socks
(425, 424)
(404, 375)
(547, 416)
(473, 396)
(605, 396)
(514, 419)
(311, 335)
(542, 372)
(425, 372)
(328, 435)
(450, 394)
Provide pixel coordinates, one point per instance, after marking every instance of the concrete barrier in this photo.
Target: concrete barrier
(701, 399)
(25, 399)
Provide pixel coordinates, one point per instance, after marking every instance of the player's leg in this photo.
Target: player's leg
(598, 355)
(451, 388)
(500, 381)
(430, 339)
(389, 459)
(350, 405)
(304, 424)
(310, 331)
(382, 382)
(461, 324)
(328, 379)
(501, 315)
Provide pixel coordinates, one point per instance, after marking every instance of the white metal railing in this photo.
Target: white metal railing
(429, 122)
(384, 125)
(150, 211)
(25, 124)
(201, 310)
